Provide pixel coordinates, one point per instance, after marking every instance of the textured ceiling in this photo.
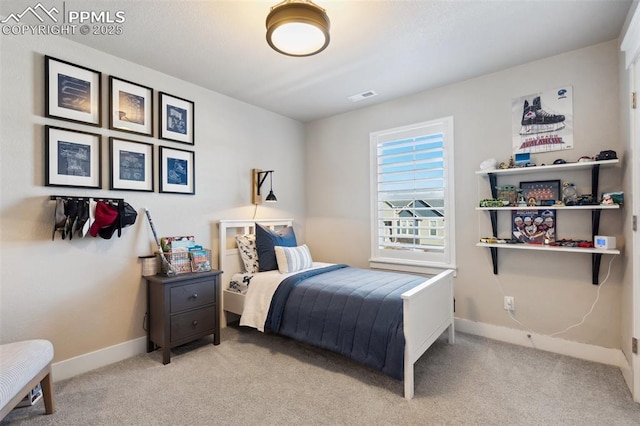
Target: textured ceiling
(391, 47)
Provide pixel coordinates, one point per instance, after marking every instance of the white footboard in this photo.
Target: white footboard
(427, 313)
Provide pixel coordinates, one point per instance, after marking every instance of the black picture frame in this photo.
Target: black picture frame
(541, 192)
(177, 171)
(130, 107)
(72, 92)
(130, 165)
(176, 119)
(72, 158)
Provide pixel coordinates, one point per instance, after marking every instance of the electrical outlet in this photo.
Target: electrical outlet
(509, 303)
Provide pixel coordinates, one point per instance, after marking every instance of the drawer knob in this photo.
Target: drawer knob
(195, 295)
(195, 323)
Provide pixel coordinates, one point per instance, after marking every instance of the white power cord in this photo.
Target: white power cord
(593, 305)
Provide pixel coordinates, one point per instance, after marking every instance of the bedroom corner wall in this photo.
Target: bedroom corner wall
(552, 290)
(87, 294)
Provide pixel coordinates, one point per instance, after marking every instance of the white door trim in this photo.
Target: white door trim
(631, 47)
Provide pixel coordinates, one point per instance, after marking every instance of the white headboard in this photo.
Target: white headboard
(230, 260)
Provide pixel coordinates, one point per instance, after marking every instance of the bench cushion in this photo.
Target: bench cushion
(20, 362)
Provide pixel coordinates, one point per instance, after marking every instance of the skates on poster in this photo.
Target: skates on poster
(536, 120)
(543, 121)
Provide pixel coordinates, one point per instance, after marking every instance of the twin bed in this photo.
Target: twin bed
(382, 319)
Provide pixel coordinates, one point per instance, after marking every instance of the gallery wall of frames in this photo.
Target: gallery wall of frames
(74, 92)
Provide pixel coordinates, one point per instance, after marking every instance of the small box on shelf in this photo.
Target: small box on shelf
(149, 265)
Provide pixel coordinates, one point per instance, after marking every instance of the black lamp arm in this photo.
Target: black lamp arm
(262, 176)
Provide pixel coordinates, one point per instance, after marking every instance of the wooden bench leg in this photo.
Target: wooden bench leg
(47, 394)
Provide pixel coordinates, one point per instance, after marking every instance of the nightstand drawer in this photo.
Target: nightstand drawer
(192, 296)
(191, 323)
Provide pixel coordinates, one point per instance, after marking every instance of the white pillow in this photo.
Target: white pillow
(292, 259)
(248, 252)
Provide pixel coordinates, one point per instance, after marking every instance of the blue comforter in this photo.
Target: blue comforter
(351, 311)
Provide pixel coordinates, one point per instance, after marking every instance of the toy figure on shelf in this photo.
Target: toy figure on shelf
(569, 193)
(508, 194)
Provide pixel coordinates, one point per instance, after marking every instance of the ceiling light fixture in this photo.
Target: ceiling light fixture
(298, 28)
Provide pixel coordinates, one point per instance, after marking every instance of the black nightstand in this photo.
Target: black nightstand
(182, 309)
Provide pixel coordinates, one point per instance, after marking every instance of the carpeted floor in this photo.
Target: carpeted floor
(257, 379)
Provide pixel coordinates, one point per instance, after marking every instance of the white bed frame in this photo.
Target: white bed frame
(427, 308)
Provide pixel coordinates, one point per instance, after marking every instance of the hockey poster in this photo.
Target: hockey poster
(534, 226)
(543, 122)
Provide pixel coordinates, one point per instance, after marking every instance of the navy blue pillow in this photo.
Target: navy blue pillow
(266, 240)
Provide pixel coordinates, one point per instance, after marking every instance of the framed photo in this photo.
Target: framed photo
(131, 165)
(534, 226)
(612, 198)
(176, 119)
(177, 171)
(72, 92)
(130, 107)
(73, 158)
(541, 192)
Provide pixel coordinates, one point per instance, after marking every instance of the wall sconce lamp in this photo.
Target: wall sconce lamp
(259, 176)
(298, 28)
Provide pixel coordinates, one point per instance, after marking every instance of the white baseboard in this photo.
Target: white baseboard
(584, 351)
(627, 374)
(90, 361)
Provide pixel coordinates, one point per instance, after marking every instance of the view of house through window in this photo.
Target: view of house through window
(412, 194)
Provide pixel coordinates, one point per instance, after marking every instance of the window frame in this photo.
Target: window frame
(411, 261)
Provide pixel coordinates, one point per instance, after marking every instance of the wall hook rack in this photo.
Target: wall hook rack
(72, 197)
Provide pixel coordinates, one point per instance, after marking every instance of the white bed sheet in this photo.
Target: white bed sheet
(258, 297)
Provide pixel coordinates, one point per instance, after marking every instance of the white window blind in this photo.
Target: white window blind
(412, 194)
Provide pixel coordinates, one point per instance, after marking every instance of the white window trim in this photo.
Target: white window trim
(377, 261)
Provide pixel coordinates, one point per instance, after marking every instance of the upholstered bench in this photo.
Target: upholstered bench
(22, 366)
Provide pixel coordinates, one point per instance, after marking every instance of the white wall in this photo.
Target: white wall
(87, 294)
(552, 291)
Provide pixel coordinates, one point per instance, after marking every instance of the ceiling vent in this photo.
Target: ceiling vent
(361, 96)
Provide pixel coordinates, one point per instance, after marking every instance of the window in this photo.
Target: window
(407, 227)
(433, 228)
(412, 211)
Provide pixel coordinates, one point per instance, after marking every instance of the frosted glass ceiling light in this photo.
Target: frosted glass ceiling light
(298, 28)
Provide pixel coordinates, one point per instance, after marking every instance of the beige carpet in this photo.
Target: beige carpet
(256, 379)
